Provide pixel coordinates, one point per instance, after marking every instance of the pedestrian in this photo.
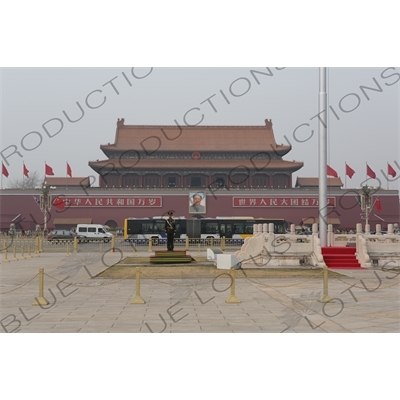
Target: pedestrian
(170, 229)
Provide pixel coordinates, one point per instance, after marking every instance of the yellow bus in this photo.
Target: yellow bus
(203, 228)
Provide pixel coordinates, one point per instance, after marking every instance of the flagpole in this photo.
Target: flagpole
(387, 180)
(322, 131)
(23, 170)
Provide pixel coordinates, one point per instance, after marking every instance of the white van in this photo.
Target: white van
(93, 232)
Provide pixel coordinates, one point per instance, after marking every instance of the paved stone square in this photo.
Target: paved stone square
(363, 301)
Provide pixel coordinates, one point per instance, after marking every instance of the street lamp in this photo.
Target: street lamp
(45, 202)
(366, 201)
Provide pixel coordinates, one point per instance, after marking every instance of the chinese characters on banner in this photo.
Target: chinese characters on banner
(156, 201)
(280, 201)
(138, 201)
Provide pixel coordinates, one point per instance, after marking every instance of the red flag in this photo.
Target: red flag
(26, 172)
(391, 171)
(69, 170)
(59, 203)
(4, 170)
(331, 172)
(350, 171)
(370, 173)
(378, 204)
(48, 170)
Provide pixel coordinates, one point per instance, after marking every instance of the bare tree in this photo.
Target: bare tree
(27, 183)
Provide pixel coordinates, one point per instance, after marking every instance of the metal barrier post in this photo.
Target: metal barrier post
(29, 251)
(198, 249)
(5, 253)
(113, 244)
(22, 252)
(138, 298)
(325, 298)
(134, 249)
(232, 298)
(37, 247)
(75, 250)
(15, 253)
(223, 243)
(150, 245)
(68, 253)
(101, 248)
(187, 243)
(41, 301)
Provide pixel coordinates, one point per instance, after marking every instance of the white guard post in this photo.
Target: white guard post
(212, 254)
(227, 261)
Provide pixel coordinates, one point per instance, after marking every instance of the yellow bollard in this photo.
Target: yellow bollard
(15, 253)
(68, 253)
(150, 245)
(29, 252)
(138, 298)
(75, 245)
(22, 252)
(5, 253)
(232, 298)
(325, 298)
(113, 244)
(134, 250)
(198, 249)
(40, 245)
(187, 243)
(40, 301)
(223, 243)
(101, 248)
(37, 247)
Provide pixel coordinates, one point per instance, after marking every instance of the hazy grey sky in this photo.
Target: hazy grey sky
(363, 123)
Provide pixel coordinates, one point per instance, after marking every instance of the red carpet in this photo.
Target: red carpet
(340, 257)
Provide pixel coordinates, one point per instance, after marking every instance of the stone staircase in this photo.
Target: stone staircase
(340, 257)
(170, 257)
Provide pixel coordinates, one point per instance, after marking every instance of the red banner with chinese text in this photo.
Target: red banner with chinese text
(123, 201)
(280, 201)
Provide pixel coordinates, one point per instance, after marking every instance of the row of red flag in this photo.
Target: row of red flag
(47, 170)
(330, 171)
(350, 171)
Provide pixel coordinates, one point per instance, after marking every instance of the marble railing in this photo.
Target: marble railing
(267, 248)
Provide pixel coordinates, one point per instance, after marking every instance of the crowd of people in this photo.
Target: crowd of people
(13, 232)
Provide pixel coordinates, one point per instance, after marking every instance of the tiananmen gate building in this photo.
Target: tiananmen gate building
(231, 171)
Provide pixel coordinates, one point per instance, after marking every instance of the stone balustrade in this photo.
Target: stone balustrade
(265, 248)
